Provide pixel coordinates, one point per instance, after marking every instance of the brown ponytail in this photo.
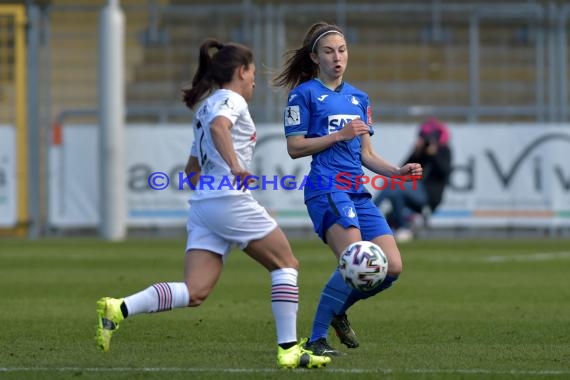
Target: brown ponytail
(215, 70)
(299, 67)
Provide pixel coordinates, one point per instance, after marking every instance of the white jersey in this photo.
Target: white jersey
(216, 178)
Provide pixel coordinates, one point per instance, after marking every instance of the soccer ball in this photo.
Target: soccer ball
(363, 265)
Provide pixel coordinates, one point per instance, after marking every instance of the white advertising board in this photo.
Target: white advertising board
(8, 194)
(504, 175)
(74, 200)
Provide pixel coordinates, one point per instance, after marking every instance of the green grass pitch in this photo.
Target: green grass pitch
(463, 309)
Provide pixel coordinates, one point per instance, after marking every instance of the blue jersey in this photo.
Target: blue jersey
(314, 110)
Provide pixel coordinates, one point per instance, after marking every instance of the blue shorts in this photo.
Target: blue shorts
(347, 210)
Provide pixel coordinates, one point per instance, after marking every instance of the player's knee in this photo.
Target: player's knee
(395, 267)
(197, 297)
(288, 261)
(292, 263)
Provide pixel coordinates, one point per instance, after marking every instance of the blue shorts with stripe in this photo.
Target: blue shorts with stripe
(348, 210)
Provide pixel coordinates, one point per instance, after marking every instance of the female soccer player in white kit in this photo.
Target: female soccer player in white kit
(221, 214)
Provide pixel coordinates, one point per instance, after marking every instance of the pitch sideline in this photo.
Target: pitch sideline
(474, 371)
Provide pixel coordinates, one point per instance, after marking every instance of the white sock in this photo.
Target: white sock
(158, 297)
(285, 303)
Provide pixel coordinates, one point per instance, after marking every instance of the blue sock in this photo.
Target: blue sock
(356, 295)
(333, 297)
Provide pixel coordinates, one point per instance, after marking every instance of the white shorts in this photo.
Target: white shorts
(216, 224)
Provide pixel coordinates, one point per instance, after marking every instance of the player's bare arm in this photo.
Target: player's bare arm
(376, 163)
(220, 128)
(193, 166)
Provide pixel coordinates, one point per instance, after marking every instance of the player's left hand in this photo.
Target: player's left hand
(412, 169)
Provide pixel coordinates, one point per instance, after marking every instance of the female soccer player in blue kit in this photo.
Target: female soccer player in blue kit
(331, 120)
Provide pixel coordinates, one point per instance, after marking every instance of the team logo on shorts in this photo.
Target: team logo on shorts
(349, 211)
(292, 116)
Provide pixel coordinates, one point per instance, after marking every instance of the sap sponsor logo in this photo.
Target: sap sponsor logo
(337, 122)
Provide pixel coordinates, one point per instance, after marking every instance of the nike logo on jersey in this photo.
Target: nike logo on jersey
(322, 97)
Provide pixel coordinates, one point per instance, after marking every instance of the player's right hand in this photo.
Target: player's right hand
(243, 178)
(355, 128)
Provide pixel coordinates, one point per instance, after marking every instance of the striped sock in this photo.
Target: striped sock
(285, 303)
(158, 297)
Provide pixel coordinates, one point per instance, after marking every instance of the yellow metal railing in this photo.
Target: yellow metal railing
(13, 100)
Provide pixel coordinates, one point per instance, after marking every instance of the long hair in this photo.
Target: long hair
(216, 70)
(299, 67)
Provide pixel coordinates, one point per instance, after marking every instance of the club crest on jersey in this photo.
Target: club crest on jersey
(353, 100)
(292, 116)
(338, 122)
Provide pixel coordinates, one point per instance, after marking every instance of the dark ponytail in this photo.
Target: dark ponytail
(202, 81)
(215, 70)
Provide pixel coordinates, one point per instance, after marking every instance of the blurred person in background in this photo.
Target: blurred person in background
(421, 198)
(330, 120)
(222, 215)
